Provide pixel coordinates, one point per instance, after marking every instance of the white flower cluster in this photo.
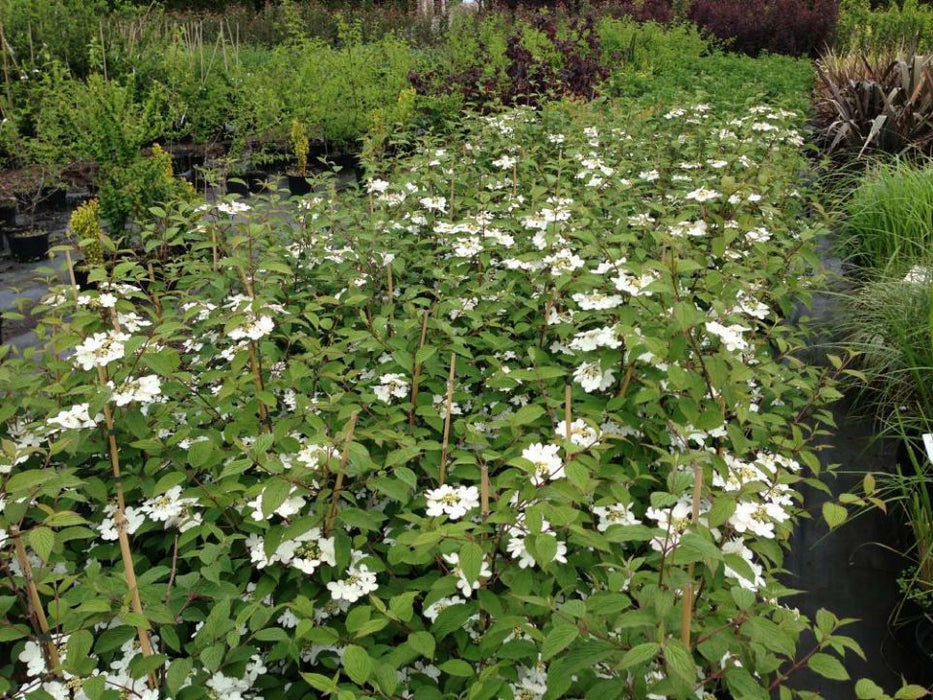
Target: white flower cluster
(100, 349)
(145, 390)
(391, 385)
(358, 581)
(74, 418)
(452, 501)
(173, 510)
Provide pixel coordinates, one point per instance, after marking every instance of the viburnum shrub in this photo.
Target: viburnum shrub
(521, 419)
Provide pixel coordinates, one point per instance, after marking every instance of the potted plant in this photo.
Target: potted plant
(297, 182)
(86, 229)
(28, 244)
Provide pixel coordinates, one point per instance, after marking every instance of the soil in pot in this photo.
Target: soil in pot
(28, 245)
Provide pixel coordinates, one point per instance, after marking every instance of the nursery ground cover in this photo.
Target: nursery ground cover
(520, 419)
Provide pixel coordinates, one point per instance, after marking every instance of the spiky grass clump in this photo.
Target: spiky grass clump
(888, 321)
(889, 217)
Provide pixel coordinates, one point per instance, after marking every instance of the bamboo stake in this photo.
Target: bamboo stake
(338, 485)
(484, 489)
(568, 432)
(144, 642)
(38, 610)
(686, 614)
(450, 399)
(120, 516)
(71, 274)
(416, 374)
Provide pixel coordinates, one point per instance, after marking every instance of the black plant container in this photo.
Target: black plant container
(28, 245)
(7, 213)
(298, 185)
(238, 185)
(81, 278)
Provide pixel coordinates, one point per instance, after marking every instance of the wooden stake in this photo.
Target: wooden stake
(144, 642)
(71, 274)
(37, 609)
(416, 373)
(686, 614)
(338, 485)
(120, 517)
(484, 489)
(442, 475)
(568, 432)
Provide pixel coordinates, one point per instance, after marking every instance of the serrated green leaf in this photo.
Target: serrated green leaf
(423, 643)
(558, 639)
(639, 654)
(471, 561)
(828, 667)
(357, 664)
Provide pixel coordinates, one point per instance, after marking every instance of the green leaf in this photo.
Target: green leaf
(401, 605)
(423, 643)
(78, 648)
(274, 494)
(199, 453)
(143, 665)
(680, 663)
(639, 655)
(526, 414)
(558, 639)
(743, 685)
(178, 672)
(457, 667)
(42, 539)
(866, 689)
(471, 561)
(357, 664)
(319, 682)
(911, 692)
(828, 667)
(834, 515)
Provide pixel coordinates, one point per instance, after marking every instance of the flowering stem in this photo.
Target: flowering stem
(38, 610)
(442, 475)
(338, 484)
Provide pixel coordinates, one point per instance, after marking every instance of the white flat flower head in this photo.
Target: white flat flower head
(455, 502)
(615, 514)
(100, 349)
(702, 195)
(545, 462)
(591, 377)
(357, 582)
(312, 550)
(74, 418)
(391, 385)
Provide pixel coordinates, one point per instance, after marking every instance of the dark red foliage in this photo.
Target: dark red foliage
(794, 27)
(527, 80)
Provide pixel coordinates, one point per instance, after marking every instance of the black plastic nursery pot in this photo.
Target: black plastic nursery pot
(28, 245)
(298, 185)
(8, 209)
(81, 278)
